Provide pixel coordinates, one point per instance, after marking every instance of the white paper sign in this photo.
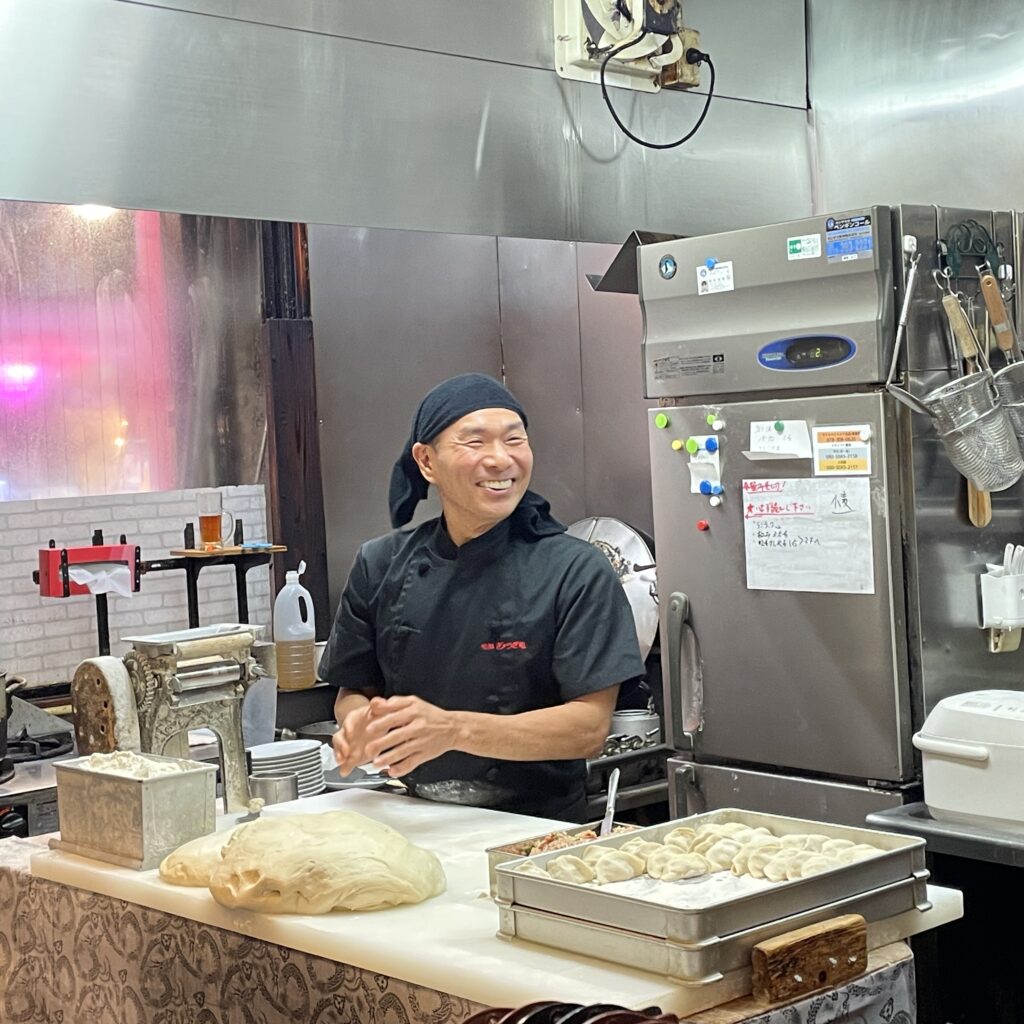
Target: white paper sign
(779, 439)
(715, 279)
(704, 470)
(842, 451)
(803, 247)
(809, 535)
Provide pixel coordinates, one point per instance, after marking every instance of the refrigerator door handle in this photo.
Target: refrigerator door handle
(688, 787)
(685, 697)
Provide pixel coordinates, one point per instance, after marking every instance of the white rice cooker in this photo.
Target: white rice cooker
(972, 748)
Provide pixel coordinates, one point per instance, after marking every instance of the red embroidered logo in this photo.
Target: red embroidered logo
(504, 645)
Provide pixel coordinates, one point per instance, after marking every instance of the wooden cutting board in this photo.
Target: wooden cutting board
(219, 552)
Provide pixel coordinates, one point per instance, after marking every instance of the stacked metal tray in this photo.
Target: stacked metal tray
(697, 945)
(514, 851)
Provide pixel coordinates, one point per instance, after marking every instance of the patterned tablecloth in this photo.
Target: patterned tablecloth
(72, 957)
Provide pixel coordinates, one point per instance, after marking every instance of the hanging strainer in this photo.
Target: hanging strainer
(1009, 383)
(962, 401)
(985, 450)
(972, 425)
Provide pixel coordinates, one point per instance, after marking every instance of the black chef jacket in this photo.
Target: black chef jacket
(506, 623)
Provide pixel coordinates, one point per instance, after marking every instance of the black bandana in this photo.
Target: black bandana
(450, 401)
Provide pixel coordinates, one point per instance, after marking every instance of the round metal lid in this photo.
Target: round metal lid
(633, 563)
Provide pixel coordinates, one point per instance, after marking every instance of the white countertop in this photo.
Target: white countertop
(448, 943)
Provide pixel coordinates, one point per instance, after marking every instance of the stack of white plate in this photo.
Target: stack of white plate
(300, 756)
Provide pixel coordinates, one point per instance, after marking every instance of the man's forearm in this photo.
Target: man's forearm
(346, 701)
(573, 730)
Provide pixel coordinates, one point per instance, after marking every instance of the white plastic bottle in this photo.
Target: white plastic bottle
(294, 634)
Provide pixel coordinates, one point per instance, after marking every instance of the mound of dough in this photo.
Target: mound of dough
(195, 862)
(316, 863)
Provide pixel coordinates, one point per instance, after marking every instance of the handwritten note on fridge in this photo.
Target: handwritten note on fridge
(779, 439)
(809, 535)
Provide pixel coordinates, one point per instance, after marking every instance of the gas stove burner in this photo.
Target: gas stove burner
(22, 747)
(6, 770)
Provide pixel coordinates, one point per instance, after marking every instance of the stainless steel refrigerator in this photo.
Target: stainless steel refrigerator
(817, 571)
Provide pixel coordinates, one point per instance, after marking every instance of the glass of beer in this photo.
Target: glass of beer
(215, 525)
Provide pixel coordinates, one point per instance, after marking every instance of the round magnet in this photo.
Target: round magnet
(661, 421)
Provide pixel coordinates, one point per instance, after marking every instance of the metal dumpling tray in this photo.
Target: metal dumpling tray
(695, 930)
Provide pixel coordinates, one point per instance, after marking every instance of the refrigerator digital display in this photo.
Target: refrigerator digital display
(808, 352)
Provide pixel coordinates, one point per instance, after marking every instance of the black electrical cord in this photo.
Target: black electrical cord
(693, 56)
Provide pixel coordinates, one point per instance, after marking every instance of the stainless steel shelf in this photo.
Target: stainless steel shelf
(973, 842)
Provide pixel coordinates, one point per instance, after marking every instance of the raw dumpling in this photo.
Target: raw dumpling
(641, 848)
(777, 869)
(721, 854)
(685, 865)
(618, 866)
(855, 853)
(816, 863)
(529, 868)
(760, 842)
(797, 862)
(760, 858)
(804, 841)
(707, 839)
(592, 854)
(835, 845)
(682, 837)
(570, 868)
(671, 864)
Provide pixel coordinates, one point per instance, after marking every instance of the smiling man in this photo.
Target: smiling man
(478, 656)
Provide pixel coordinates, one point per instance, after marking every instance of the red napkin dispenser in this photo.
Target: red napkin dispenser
(54, 562)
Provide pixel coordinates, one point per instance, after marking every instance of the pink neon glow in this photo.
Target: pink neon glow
(17, 376)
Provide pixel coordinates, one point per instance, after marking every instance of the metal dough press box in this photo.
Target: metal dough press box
(132, 822)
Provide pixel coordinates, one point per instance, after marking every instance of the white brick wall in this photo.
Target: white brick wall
(46, 638)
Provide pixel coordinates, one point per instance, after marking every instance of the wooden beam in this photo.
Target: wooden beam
(295, 486)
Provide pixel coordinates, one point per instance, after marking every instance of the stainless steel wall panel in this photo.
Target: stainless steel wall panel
(616, 450)
(950, 555)
(180, 111)
(540, 338)
(912, 101)
(749, 164)
(759, 50)
(495, 30)
(522, 33)
(396, 312)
